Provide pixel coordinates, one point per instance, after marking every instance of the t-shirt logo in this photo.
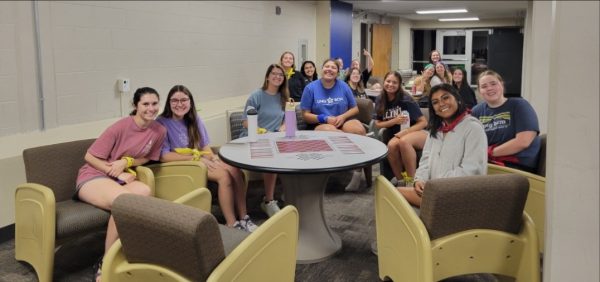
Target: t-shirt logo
(497, 121)
(392, 113)
(329, 100)
(147, 148)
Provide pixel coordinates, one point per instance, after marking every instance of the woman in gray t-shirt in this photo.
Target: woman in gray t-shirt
(269, 102)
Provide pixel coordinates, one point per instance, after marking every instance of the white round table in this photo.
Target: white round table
(304, 164)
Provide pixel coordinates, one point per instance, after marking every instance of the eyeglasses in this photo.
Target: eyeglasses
(277, 74)
(177, 101)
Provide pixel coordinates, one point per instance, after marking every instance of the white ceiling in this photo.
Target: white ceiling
(485, 10)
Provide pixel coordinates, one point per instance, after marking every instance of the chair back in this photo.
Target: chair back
(425, 112)
(235, 119)
(178, 237)
(56, 166)
(541, 166)
(365, 110)
(300, 123)
(452, 205)
(175, 179)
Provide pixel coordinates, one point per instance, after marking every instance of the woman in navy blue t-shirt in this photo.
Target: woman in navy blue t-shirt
(402, 144)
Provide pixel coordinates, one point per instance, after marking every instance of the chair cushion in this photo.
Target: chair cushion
(56, 166)
(451, 205)
(75, 217)
(178, 237)
(231, 237)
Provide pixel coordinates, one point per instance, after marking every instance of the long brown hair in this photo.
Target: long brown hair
(283, 88)
(359, 85)
(190, 119)
(400, 94)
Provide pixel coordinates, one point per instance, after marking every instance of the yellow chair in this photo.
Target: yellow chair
(467, 225)
(175, 179)
(162, 241)
(536, 200)
(46, 216)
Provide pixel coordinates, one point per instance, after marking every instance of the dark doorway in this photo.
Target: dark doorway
(505, 56)
(423, 43)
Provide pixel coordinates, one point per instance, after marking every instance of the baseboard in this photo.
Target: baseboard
(7, 233)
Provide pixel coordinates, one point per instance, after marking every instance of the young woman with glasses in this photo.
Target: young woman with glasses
(188, 140)
(269, 101)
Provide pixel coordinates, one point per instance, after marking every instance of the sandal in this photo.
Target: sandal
(97, 268)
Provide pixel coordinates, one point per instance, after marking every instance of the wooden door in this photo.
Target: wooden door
(381, 42)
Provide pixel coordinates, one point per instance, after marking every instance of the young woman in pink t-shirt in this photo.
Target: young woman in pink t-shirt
(129, 142)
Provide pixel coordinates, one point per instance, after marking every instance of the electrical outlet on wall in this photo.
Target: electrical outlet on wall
(123, 84)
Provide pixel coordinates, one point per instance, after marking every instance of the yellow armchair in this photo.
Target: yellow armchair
(175, 179)
(467, 225)
(46, 216)
(162, 241)
(536, 200)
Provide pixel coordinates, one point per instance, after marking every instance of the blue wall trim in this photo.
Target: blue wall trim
(341, 31)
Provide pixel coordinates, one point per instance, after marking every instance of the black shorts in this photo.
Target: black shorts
(314, 125)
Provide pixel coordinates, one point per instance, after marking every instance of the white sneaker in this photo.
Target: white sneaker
(238, 225)
(270, 207)
(354, 184)
(247, 224)
(398, 183)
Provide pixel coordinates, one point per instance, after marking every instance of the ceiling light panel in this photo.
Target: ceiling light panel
(447, 11)
(459, 19)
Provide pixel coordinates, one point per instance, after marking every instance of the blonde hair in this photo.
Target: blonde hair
(486, 73)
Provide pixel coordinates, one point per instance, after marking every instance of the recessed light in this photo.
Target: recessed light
(459, 19)
(448, 11)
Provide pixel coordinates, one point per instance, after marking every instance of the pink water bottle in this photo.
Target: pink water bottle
(290, 119)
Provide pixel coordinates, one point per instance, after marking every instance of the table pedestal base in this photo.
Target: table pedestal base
(316, 241)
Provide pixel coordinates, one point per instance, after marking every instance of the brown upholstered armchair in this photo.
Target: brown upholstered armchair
(467, 225)
(365, 116)
(45, 213)
(164, 241)
(536, 200)
(46, 216)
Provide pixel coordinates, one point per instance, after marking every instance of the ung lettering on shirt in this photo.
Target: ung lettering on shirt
(330, 100)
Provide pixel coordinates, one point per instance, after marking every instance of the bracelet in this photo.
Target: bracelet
(129, 170)
(196, 155)
(322, 118)
(129, 160)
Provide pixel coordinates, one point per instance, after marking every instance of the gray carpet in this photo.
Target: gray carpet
(351, 215)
